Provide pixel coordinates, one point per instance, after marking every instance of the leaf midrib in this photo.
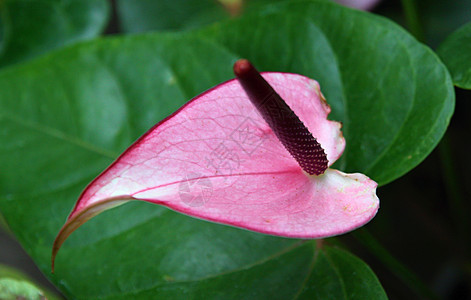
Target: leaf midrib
(338, 273)
(55, 133)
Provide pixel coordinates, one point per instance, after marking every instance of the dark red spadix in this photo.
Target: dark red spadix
(282, 120)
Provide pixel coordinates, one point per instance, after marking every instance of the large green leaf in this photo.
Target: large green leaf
(148, 15)
(392, 118)
(32, 27)
(66, 116)
(456, 53)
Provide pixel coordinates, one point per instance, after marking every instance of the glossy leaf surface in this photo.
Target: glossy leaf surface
(30, 28)
(148, 15)
(173, 15)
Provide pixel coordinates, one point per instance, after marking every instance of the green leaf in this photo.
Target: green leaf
(456, 53)
(392, 118)
(32, 27)
(16, 285)
(148, 15)
(336, 274)
(66, 116)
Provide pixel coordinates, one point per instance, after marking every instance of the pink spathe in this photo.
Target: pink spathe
(216, 159)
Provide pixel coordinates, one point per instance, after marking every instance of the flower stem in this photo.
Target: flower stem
(394, 265)
(413, 20)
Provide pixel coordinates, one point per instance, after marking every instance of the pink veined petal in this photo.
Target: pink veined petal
(218, 133)
(218, 160)
(288, 203)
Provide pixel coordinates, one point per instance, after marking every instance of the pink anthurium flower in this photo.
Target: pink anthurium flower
(252, 152)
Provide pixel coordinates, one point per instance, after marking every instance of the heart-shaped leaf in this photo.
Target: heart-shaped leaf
(456, 53)
(380, 120)
(29, 28)
(66, 116)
